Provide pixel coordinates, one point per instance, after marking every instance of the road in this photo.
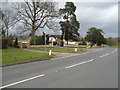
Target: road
(96, 69)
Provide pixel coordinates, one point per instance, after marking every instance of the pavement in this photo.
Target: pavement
(95, 69)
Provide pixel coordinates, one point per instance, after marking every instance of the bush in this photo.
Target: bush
(4, 43)
(84, 42)
(39, 40)
(10, 41)
(24, 45)
(62, 43)
(16, 43)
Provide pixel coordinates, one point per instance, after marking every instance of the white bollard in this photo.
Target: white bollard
(50, 52)
(75, 49)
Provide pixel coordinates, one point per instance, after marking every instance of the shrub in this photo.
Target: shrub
(4, 43)
(16, 43)
(10, 41)
(84, 42)
(40, 40)
(24, 45)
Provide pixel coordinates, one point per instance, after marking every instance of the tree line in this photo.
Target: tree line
(31, 17)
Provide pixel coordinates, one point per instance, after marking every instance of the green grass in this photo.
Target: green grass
(83, 47)
(116, 45)
(13, 56)
(75, 46)
(65, 50)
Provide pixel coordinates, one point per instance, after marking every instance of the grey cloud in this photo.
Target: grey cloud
(103, 15)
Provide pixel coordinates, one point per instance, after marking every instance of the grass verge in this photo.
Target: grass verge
(14, 56)
(116, 45)
(65, 50)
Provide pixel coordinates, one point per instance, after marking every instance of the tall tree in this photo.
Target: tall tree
(95, 36)
(70, 25)
(34, 15)
(6, 20)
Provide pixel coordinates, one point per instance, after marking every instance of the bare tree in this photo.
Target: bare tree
(6, 21)
(34, 15)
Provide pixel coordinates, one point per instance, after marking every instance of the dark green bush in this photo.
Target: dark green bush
(4, 43)
(10, 41)
(16, 43)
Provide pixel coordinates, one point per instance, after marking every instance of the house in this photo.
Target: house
(52, 39)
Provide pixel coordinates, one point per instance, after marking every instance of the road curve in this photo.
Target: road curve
(96, 69)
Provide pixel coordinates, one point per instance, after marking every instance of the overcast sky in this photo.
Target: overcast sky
(102, 15)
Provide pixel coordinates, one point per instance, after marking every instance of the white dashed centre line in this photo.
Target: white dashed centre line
(71, 66)
(90, 60)
(22, 81)
(108, 53)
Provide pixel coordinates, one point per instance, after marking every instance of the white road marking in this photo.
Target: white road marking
(78, 64)
(104, 55)
(22, 81)
(90, 60)
(114, 51)
(108, 53)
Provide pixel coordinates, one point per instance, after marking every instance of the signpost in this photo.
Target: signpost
(45, 42)
(45, 39)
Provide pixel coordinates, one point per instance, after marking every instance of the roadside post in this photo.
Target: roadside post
(45, 42)
(21, 45)
(87, 45)
(44, 39)
(75, 49)
(50, 52)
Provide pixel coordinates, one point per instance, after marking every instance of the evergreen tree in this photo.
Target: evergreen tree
(70, 26)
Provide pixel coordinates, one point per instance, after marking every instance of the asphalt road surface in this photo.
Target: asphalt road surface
(96, 69)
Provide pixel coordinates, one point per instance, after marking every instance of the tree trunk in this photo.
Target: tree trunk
(7, 32)
(67, 41)
(32, 34)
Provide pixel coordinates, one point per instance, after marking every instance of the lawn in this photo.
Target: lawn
(65, 50)
(13, 56)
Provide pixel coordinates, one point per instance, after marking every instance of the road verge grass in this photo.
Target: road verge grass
(14, 56)
(117, 45)
(64, 50)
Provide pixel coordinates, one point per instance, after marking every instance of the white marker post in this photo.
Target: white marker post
(50, 52)
(75, 49)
